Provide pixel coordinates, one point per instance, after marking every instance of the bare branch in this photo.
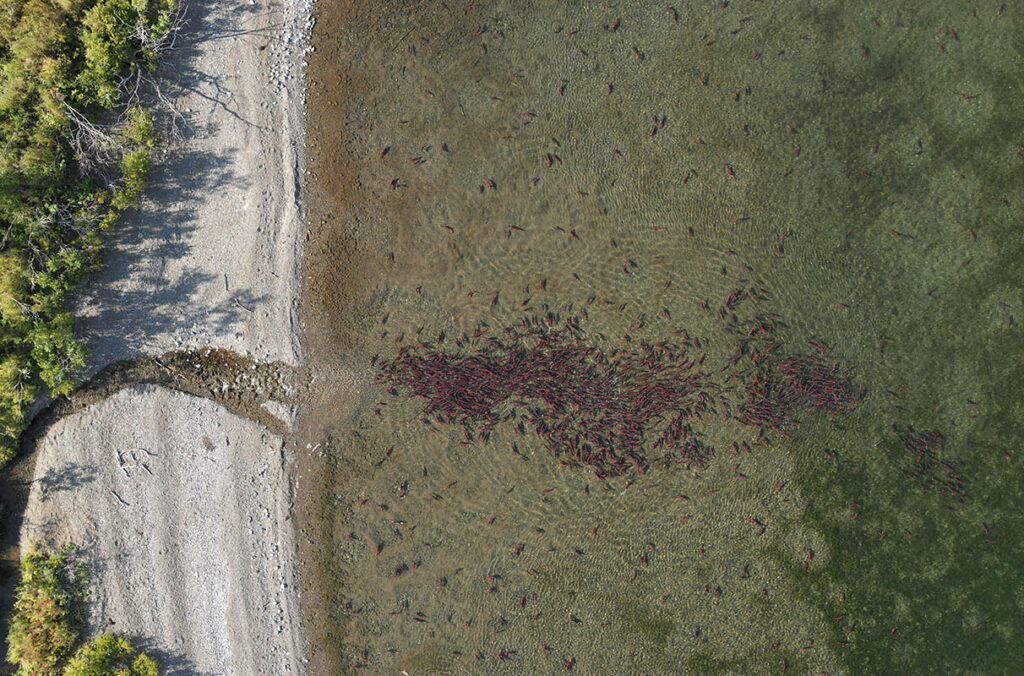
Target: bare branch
(158, 43)
(178, 124)
(95, 145)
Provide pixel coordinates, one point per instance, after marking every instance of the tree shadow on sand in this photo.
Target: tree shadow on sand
(64, 478)
(118, 319)
(141, 294)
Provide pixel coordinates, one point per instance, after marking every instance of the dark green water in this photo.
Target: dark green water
(861, 163)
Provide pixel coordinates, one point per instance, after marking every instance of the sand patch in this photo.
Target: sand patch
(184, 523)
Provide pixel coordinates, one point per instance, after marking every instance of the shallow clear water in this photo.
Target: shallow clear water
(859, 163)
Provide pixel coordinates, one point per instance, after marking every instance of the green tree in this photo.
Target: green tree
(17, 390)
(65, 176)
(108, 51)
(14, 286)
(47, 611)
(110, 655)
(57, 353)
(134, 168)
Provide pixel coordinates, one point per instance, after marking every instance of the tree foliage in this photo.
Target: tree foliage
(64, 175)
(47, 612)
(110, 655)
(48, 617)
(111, 51)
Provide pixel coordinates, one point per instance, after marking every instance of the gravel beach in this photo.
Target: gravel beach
(183, 519)
(183, 509)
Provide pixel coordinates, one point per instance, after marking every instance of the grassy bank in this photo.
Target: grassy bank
(76, 148)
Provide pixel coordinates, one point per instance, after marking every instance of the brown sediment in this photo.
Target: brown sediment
(351, 265)
(238, 383)
(345, 255)
(340, 277)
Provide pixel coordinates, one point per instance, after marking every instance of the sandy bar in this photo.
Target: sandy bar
(183, 509)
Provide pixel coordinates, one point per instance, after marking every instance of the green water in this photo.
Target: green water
(862, 164)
